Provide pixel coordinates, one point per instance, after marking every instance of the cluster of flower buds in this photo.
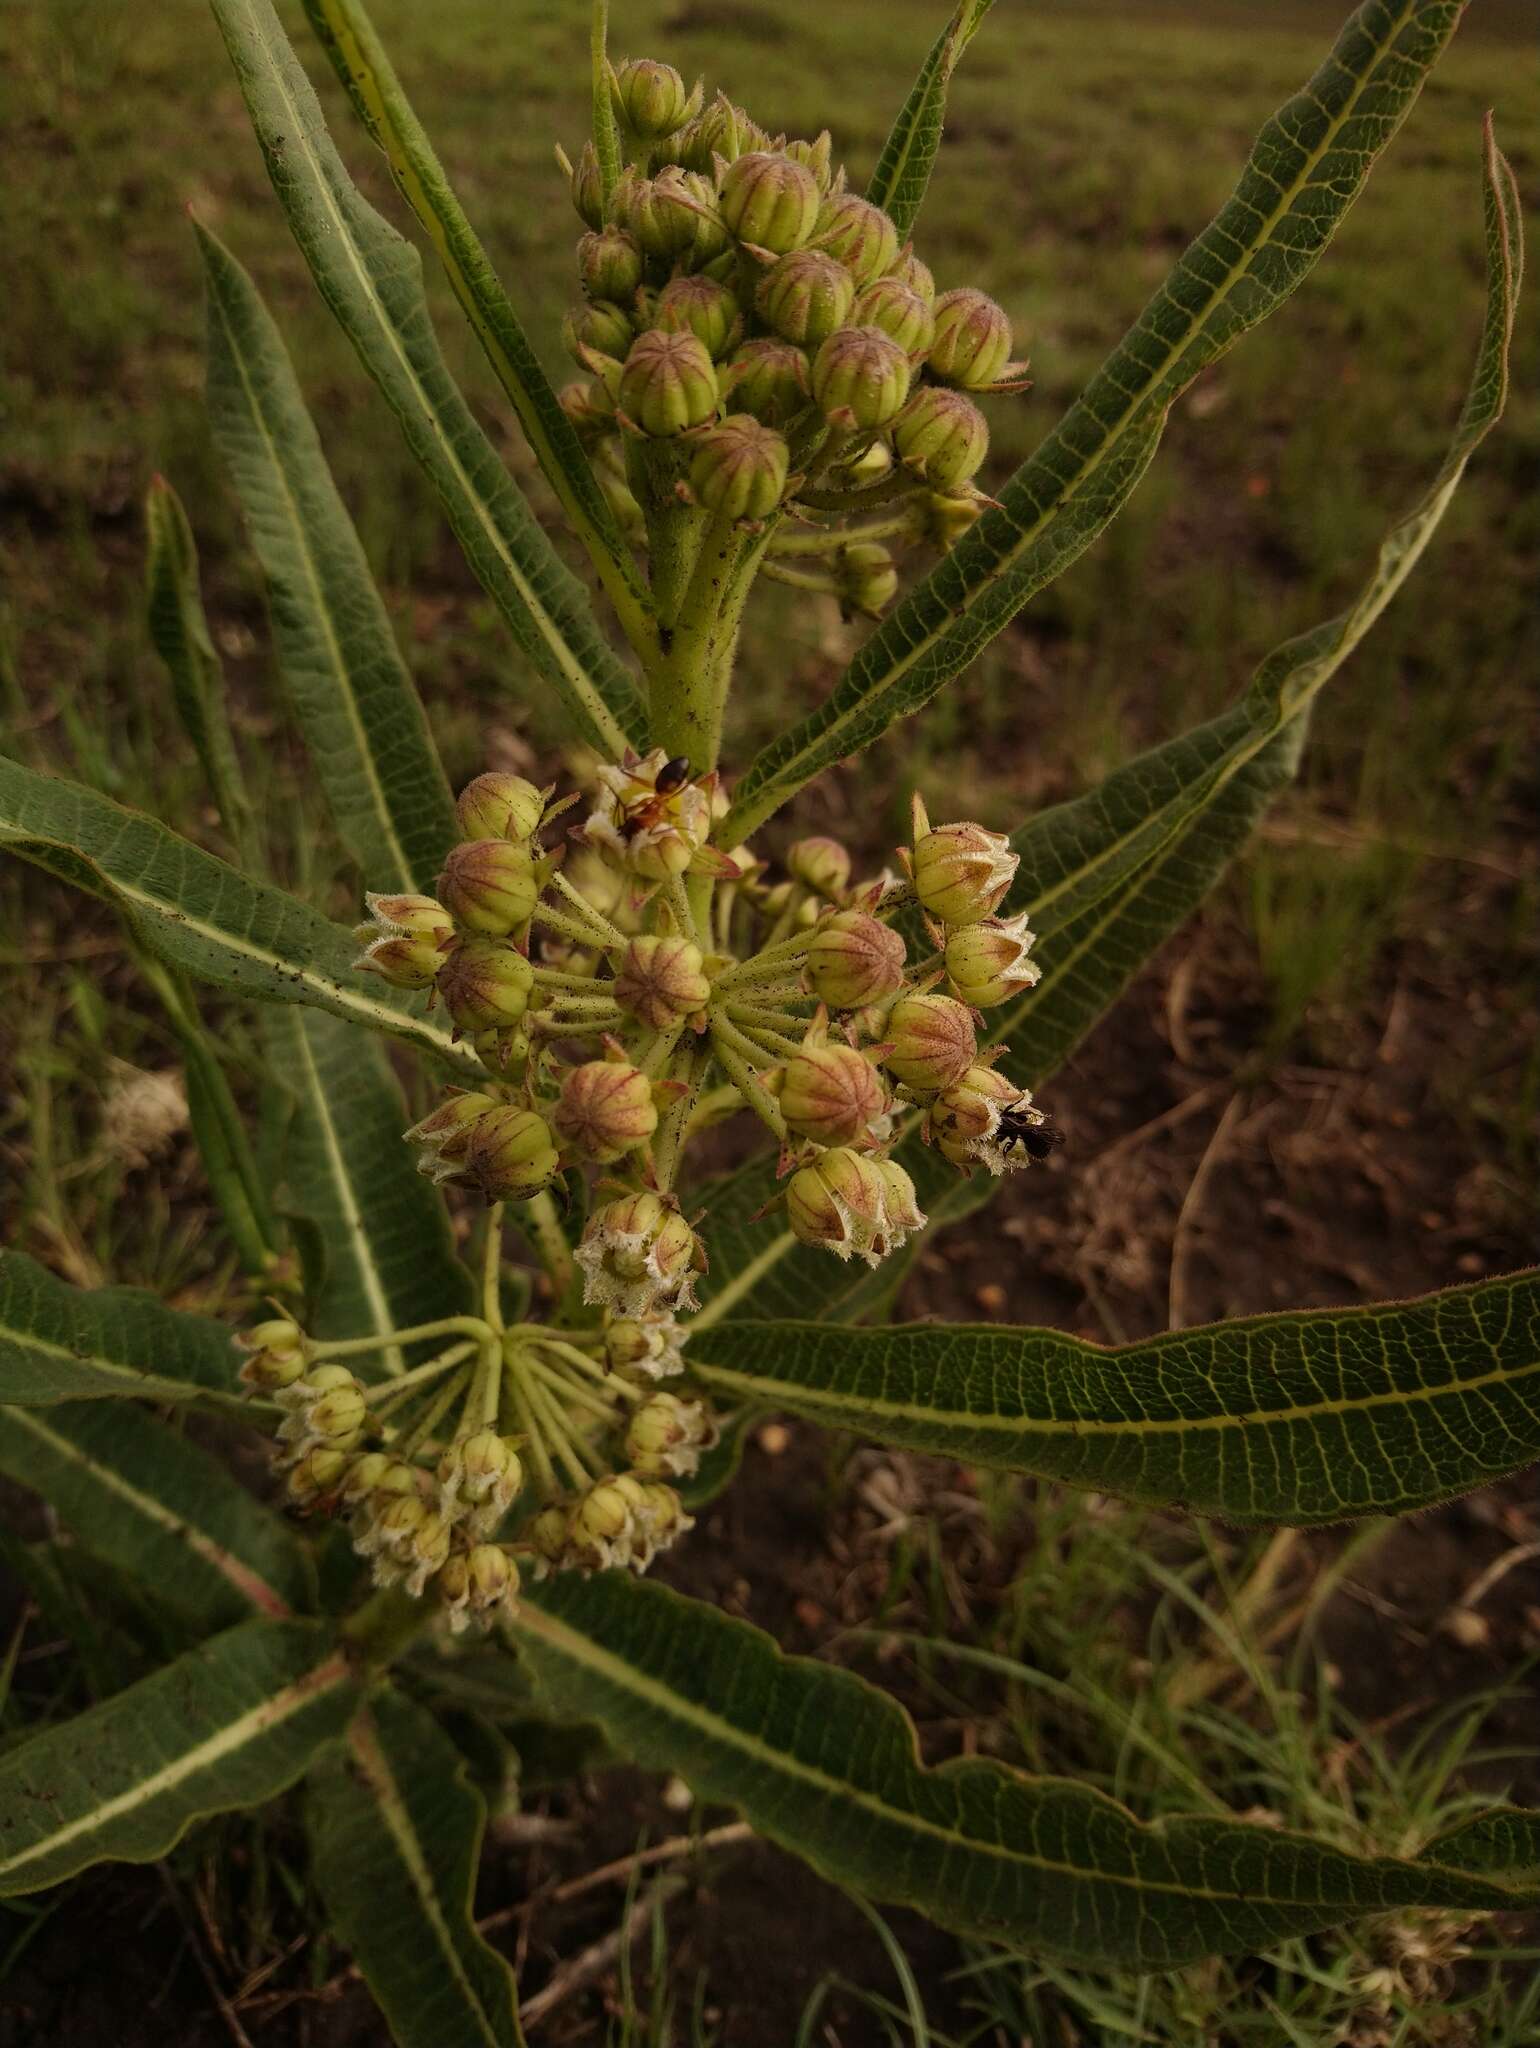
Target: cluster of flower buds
(762, 330)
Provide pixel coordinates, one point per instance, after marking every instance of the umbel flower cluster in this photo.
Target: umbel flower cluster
(759, 344)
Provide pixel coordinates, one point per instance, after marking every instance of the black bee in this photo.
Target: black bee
(673, 775)
(1038, 1137)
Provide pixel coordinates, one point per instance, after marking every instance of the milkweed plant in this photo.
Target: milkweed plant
(599, 993)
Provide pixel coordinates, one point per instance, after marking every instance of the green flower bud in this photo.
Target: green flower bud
(822, 865)
(546, 1534)
(483, 1470)
(673, 216)
(444, 1133)
(277, 1353)
(940, 521)
(489, 885)
(590, 408)
(588, 188)
(903, 1209)
(770, 379)
(599, 1531)
(645, 1346)
(638, 1255)
(510, 1155)
(888, 303)
(769, 201)
(661, 980)
(476, 1584)
(605, 1110)
(335, 1416)
(987, 962)
(426, 1553)
(722, 130)
(668, 384)
(666, 1436)
(403, 941)
(367, 1474)
(840, 1203)
(739, 468)
(498, 806)
(933, 1042)
(610, 265)
(422, 917)
(403, 962)
(972, 345)
(651, 98)
(485, 985)
(598, 328)
(910, 271)
(860, 378)
(830, 1093)
(866, 578)
(816, 156)
(805, 297)
(859, 234)
(629, 516)
(704, 308)
(961, 872)
(942, 436)
(315, 1479)
(854, 960)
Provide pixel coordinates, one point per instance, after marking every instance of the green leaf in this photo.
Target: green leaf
(372, 280)
(179, 634)
(358, 57)
(161, 1509)
(357, 707)
(395, 1831)
(1308, 164)
(200, 914)
(231, 1724)
(1314, 1416)
(383, 1252)
(909, 154)
(62, 1343)
(826, 1765)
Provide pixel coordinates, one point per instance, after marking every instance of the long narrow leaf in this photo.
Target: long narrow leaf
(63, 1343)
(159, 1508)
(231, 1724)
(357, 707)
(199, 914)
(395, 1832)
(372, 280)
(829, 1767)
(903, 170)
(358, 57)
(1308, 165)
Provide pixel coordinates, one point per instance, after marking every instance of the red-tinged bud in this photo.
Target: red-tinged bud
(666, 1436)
(418, 917)
(858, 234)
(702, 307)
(485, 984)
(830, 1093)
(961, 872)
(769, 201)
(510, 1154)
(888, 303)
(403, 941)
(854, 960)
(770, 379)
(610, 265)
(865, 579)
(674, 216)
(668, 384)
(588, 188)
(822, 865)
(987, 963)
(498, 806)
(972, 344)
(662, 980)
(489, 885)
(860, 378)
(651, 98)
(598, 328)
(933, 1042)
(739, 468)
(404, 963)
(910, 271)
(639, 1256)
(840, 1203)
(605, 1110)
(805, 297)
(942, 436)
(444, 1133)
(816, 156)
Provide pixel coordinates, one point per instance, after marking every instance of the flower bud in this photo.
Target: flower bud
(702, 307)
(739, 468)
(510, 1155)
(822, 865)
(598, 328)
(933, 1042)
(403, 962)
(277, 1353)
(770, 379)
(489, 885)
(656, 831)
(942, 436)
(590, 409)
(961, 872)
(816, 156)
(498, 806)
(668, 384)
(770, 201)
(860, 378)
(972, 344)
(402, 941)
(854, 960)
(666, 1436)
(888, 303)
(840, 1203)
(903, 1209)
(639, 1255)
(661, 980)
(651, 98)
(335, 1417)
(722, 130)
(805, 297)
(485, 984)
(645, 1346)
(605, 1110)
(315, 1479)
(476, 1584)
(599, 1529)
(987, 962)
(444, 1133)
(981, 1120)
(830, 1093)
(426, 1552)
(420, 917)
(588, 188)
(546, 1534)
(610, 265)
(484, 1470)
(865, 577)
(369, 1473)
(940, 521)
(857, 234)
(673, 216)
(910, 271)
(303, 1394)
